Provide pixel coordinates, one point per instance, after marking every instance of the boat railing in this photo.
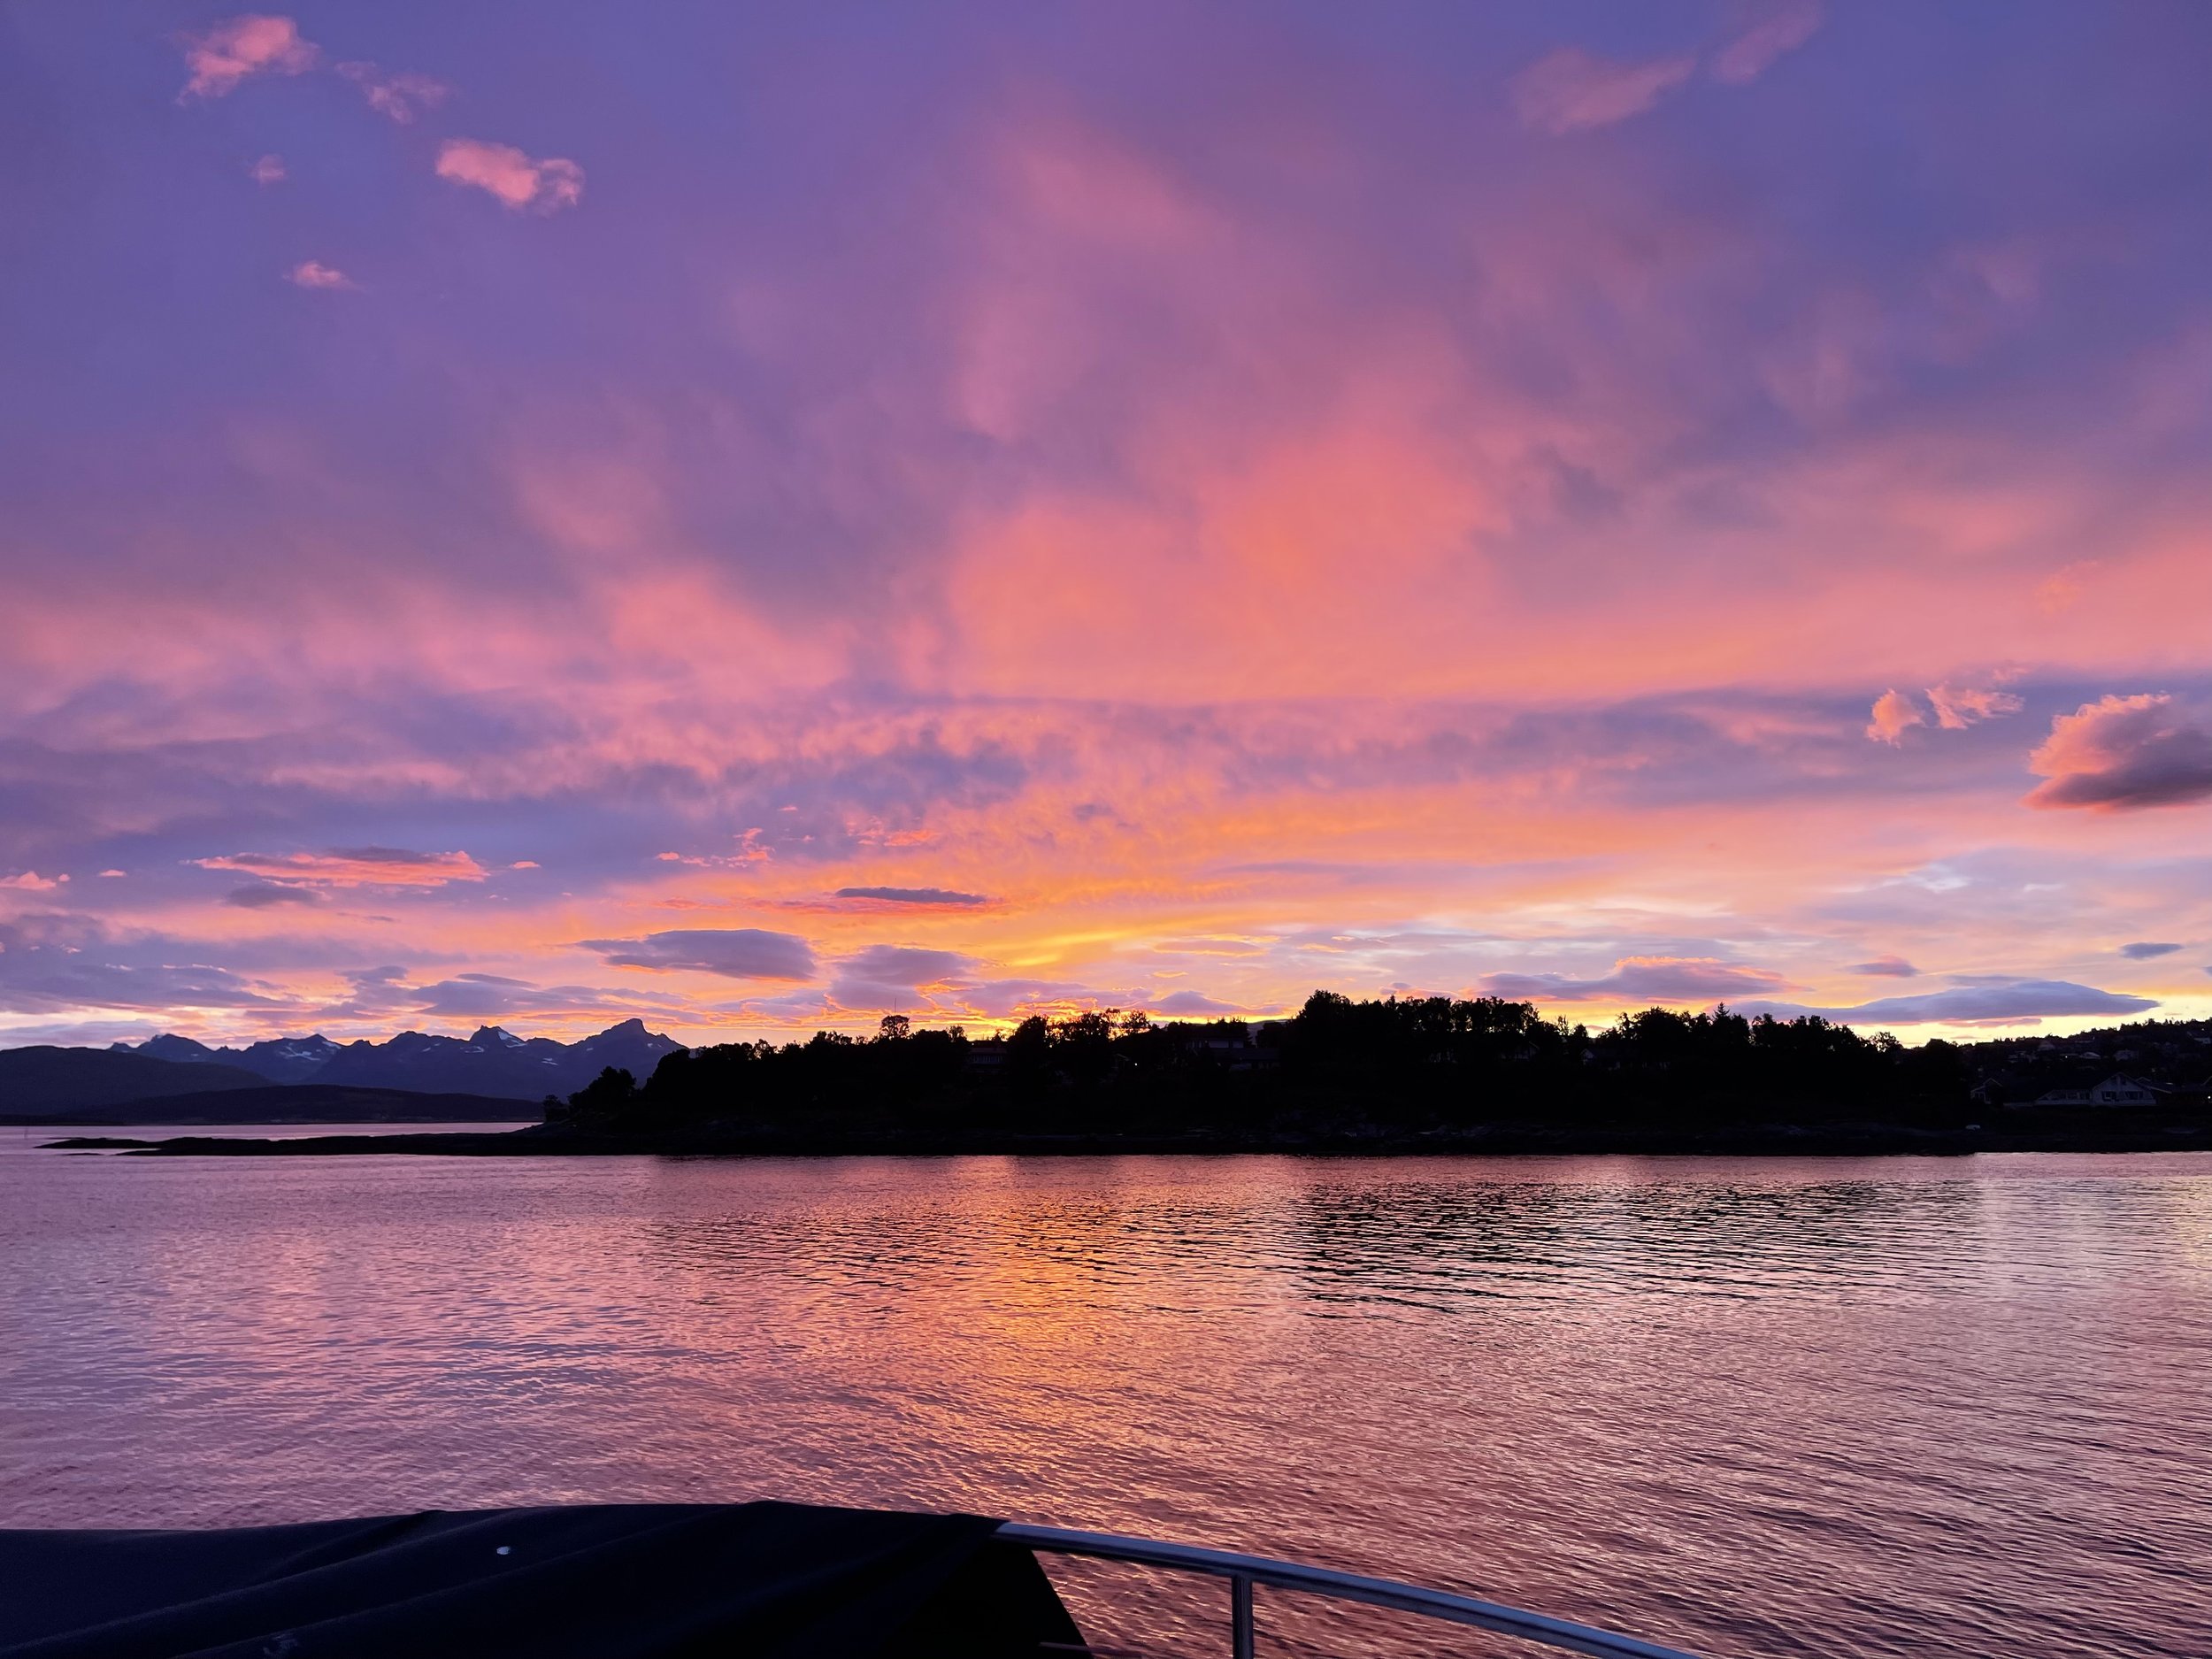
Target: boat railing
(1244, 1572)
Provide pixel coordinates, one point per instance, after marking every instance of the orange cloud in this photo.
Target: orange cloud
(1893, 712)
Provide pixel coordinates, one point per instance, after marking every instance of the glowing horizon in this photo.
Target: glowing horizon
(542, 515)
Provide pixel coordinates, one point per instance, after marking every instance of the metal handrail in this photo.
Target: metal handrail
(1243, 1571)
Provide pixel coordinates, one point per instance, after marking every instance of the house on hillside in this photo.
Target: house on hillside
(2119, 1089)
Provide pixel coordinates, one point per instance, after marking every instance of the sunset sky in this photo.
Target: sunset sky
(757, 516)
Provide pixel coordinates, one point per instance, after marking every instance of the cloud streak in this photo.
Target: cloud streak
(1781, 30)
(732, 953)
(939, 897)
(1571, 91)
(354, 867)
(1643, 979)
(2006, 1002)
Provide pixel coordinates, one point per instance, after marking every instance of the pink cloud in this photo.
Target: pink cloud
(1958, 707)
(313, 273)
(2121, 753)
(354, 867)
(1779, 31)
(1570, 89)
(31, 881)
(268, 170)
(401, 96)
(232, 50)
(546, 185)
(1893, 711)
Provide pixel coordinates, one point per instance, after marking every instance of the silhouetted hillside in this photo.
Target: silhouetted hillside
(2171, 1057)
(291, 1103)
(45, 1079)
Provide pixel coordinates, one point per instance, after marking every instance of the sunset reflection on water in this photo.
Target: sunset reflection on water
(1879, 1407)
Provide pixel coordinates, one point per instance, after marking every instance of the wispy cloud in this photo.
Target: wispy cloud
(1774, 31)
(53, 963)
(1954, 707)
(1958, 707)
(1189, 1004)
(354, 867)
(268, 170)
(221, 57)
(2121, 753)
(402, 96)
(543, 186)
(2144, 949)
(313, 273)
(938, 897)
(269, 896)
(1570, 89)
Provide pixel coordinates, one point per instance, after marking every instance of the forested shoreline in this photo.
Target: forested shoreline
(1340, 1070)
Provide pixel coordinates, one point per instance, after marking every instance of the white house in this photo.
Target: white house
(2119, 1089)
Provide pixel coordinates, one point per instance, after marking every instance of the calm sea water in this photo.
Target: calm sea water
(1881, 1407)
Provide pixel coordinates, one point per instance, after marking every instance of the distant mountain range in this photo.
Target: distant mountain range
(491, 1065)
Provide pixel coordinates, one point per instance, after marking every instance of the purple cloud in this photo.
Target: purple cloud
(1189, 1004)
(51, 964)
(1644, 979)
(2000, 1002)
(912, 895)
(888, 976)
(735, 953)
(2121, 753)
(2144, 949)
(1885, 967)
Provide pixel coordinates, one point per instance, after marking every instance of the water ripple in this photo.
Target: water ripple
(1862, 1408)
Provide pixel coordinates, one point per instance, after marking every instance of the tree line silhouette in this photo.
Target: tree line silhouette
(1340, 1066)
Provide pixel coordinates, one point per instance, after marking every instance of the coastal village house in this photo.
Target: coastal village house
(2119, 1089)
